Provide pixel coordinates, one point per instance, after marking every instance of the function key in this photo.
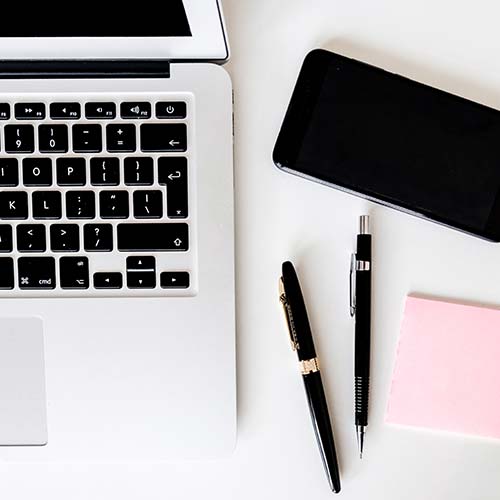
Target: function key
(4, 111)
(71, 171)
(173, 110)
(6, 273)
(37, 172)
(29, 111)
(74, 272)
(131, 110)
(174, 280)
(9, 172)
(19, 138)
(100, 110)
(160, 137)
(65, 111)
(37, 273)
(108, 280)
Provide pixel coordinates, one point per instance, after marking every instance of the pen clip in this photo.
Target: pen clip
(288, 314)
(352, 285)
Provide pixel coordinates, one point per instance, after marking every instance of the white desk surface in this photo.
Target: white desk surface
(448, 44)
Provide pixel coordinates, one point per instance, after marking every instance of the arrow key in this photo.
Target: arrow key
(108, 281)
(141, 279)
(174, 280)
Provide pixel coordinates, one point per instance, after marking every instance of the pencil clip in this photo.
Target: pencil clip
(352, 286)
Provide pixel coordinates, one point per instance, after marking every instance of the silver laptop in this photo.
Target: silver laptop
(116, 235)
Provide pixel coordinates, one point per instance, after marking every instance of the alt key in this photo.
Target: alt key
(174, 280)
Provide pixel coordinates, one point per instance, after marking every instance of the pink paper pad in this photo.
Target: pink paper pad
(447, 372)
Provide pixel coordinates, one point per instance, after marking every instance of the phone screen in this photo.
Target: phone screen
(396, 141)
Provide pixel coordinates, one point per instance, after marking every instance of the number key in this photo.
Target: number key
(53, 138)
(19, 138)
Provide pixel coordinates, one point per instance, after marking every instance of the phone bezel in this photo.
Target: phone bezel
(294, 126)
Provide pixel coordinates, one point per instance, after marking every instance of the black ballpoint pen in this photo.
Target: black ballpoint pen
(302, 342)
(361, 273)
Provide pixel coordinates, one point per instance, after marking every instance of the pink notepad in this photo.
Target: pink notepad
(447, 371)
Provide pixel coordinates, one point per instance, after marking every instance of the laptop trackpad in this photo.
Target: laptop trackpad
(23, 407)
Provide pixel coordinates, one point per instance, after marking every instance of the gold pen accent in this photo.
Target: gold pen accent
(309, 366)
(288, 315)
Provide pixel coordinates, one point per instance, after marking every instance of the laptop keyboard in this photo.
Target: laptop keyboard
(94, 197)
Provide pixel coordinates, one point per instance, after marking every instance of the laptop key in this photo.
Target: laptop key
(151, 237)
(53, 138)
(47, 205)
(174, 280)
(135, 110)
(31, 238)
(5, 238)
(114, 204)
(141, 263)
(148, 204)
(100, 110)
(172, 110)
(98, 237)
(6, 273)
(19, 138)
(13, 205)
(141, 279)
(139, 171)
(9, 172)
(105, 171)
(37, 273)
(87, 138)
(65, 111)
(29, 111)
(37, 172)
(4, 111)
(80, 205)
(74, 272)
(160, 137)
(121, 138)
(64, 238)
(172, 172)
(108, 281)
(71, 171)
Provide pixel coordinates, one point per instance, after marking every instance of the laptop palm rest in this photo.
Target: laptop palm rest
(23, 407)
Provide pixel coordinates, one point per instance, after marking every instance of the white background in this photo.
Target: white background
(448, 44)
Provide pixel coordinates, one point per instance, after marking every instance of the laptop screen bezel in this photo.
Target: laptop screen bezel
(208, 42)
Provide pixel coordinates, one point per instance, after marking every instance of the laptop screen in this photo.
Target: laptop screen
(150, 20)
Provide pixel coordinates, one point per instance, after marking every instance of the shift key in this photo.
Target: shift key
(172, 237)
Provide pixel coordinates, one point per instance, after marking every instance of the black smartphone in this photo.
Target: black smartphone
(394, 141)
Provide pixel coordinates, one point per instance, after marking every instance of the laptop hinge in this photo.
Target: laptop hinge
(105, 68)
